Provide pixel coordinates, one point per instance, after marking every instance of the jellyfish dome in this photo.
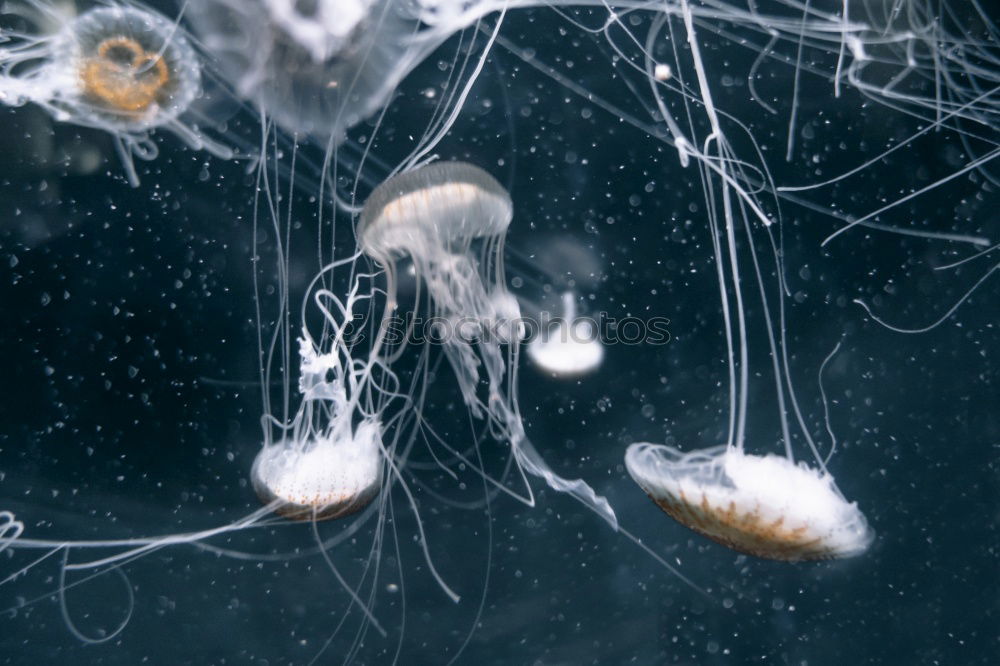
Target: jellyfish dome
(329, 478)
(121, 65)
(760, 505)
(454, 203)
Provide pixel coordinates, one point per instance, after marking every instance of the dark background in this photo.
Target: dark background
(130, 398)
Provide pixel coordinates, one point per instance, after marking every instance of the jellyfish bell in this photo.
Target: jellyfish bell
(323, 478)
(121, 68)
(443, 205)
(314, 72)
(568, 346)
(766, 506)
(108, 65)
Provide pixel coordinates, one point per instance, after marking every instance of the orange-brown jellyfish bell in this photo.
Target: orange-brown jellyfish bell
(766, 506)
(121, 68)
(123, 76)
(125, 66)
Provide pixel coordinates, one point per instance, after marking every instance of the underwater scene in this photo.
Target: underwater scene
(544, 332)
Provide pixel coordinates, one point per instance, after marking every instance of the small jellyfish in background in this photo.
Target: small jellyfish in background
(434, 215)
(121, 68)
(551, 275)
(567, 346)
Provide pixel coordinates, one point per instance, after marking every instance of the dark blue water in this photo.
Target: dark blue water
(130, 395)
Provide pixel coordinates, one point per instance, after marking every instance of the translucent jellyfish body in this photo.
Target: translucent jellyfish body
(446, 205)
(568, 346)
(433, 215)
(321, 67)
(122, 69)
(319, 70)
(760, 505)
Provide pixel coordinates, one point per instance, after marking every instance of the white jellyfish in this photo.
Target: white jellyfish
(121, 68)
(328, 463)
(434, 215)
(567, 346)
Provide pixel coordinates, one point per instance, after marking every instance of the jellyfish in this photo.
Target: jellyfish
(328, 461)
(120, 68)
(320, 68)
(766, 506)
(328, 464)
(567, 346)
(434, 215)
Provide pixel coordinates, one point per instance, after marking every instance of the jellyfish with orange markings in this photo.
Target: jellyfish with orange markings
(772, 505)
(121, 68)
(766, 506)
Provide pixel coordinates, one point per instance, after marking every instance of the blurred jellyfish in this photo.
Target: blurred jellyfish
(121, 68)
(567, 346)
(549, 274)
(10, 529)
(434, 215)
(321, 67)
